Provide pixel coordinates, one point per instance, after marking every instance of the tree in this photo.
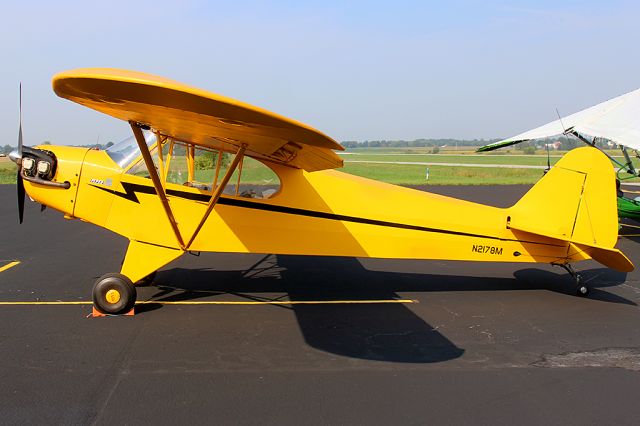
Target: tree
(206, 160)
(7, 149)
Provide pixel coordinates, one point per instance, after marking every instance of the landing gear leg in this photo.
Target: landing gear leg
(581, 288)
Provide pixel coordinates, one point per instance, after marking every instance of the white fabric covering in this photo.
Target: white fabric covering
(617, 120)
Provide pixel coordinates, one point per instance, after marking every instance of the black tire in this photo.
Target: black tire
(110, 287)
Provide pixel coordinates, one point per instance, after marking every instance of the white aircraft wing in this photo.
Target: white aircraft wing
(617, 120)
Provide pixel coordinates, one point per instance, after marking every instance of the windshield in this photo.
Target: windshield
(126, 151)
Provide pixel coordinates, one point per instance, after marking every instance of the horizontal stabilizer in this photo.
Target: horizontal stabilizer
(613, 258)
(610, 257)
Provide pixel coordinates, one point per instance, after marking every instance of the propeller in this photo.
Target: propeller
(19, 182)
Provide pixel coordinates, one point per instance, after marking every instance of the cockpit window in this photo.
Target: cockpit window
(124, 152)
(204, 168)
(253, 179)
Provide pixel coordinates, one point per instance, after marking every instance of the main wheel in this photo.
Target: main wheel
(114, 294)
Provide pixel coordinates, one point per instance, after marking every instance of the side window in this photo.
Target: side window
(202, 168)
(256, 180)
(196, 167)
(140, 168)
(176, 169)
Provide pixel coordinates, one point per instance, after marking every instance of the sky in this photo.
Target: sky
(355, 70)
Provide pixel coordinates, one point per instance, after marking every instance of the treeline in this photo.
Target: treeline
(417, 143)
(557, 142)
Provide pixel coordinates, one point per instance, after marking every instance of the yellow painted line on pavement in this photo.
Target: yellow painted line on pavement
(281, 302)
(46, 303)
(629, 226)
(9, 265)
(211, 302)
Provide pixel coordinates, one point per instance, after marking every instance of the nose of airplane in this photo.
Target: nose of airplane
(49, 176)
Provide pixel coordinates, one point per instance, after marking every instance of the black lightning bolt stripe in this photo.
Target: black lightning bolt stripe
(132, 188)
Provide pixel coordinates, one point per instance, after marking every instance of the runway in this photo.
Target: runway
(265, 339)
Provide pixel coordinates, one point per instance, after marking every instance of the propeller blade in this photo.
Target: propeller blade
(19, 182)
(21, 194)
(20, 125)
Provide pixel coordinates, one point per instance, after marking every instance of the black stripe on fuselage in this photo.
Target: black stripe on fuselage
(131, 188)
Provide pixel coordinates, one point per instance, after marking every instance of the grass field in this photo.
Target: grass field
(470, 158)
(409, 174)
(402, 174)
(7, 171)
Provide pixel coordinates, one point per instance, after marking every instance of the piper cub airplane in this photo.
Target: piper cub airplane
(204, 172)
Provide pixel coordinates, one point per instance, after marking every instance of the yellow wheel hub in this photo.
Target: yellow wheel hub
(112, 296)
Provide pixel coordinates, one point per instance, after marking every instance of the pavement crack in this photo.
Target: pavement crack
(626, 358)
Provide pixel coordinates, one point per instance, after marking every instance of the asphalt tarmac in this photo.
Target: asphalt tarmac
(485, 344)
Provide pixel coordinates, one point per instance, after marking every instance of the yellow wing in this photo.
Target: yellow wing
(189, 114)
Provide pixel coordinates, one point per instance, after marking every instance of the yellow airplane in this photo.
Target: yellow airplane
(203, 172)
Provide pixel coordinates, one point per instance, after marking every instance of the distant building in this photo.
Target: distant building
(553, 145)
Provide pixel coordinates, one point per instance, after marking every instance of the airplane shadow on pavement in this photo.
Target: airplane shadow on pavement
(384, 332)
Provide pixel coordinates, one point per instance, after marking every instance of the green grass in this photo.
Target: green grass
(7, 171)
(402, 174)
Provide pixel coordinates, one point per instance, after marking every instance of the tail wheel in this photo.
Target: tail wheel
(114, 294)
(582, 290)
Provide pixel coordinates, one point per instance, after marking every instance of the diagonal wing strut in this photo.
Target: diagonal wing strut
(159, 184)
(218, 192)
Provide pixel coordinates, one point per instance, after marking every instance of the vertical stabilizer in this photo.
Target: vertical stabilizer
(575, 202)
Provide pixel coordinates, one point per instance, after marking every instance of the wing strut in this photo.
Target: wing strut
(160, 139)
(218, 191)
(153, 173)
(629, 164)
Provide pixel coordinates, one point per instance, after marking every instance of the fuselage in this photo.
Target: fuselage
(326, 213)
